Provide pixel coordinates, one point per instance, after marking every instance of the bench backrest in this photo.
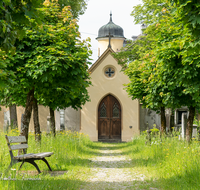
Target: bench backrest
(16, 139)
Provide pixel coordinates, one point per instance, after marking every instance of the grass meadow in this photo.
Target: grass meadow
(167, 164)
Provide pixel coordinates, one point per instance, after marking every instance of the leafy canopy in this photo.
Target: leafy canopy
(53, 60)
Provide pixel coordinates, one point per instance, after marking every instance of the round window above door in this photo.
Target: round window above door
(109, 72)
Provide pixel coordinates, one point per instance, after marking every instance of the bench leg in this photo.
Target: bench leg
(21, 165)
(34, 164)
(43, 159)
(11, 164)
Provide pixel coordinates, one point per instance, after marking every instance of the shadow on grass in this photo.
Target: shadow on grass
(97, 152)
(109, 154)
(108, 146)
(107, 185)
(189, 180)
(43, 184)
(112, 164)
(74, 162)
(143, 162)
(186, 181)
(132, 151)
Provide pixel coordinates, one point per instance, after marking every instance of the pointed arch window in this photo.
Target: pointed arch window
(116, 110)
(103, 110)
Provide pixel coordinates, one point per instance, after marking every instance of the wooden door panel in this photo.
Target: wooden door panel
(116, 127)
(103, 128)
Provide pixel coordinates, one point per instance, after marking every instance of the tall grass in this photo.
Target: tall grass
(169, 162)
(70, 154)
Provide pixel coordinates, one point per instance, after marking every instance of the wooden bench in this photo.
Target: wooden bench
(30, 158)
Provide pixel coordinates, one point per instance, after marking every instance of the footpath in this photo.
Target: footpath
(112, 170)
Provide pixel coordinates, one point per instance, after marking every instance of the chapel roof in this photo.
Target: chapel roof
(109, 50)
(114, 30)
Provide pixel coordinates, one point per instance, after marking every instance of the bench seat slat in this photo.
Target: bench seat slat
(16, 139)
(18, 146)
(31, 155)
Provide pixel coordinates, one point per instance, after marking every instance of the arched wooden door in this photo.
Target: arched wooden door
(109, 118)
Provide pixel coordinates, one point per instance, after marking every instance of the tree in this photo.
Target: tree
(12, 12)
(142, 68)
(166, 72)
(187, 13)
(50, 59)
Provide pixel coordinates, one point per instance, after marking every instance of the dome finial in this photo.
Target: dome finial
(110, 16)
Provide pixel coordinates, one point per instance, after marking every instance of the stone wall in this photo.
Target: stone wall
(43, 113)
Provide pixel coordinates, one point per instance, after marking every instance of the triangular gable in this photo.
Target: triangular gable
(101, 58)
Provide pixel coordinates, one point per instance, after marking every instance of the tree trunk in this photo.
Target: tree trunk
(163, 121)
(36, 121)
(190, 123)
(27, 114)
(13, 116)
(171, 123)
(52, 122)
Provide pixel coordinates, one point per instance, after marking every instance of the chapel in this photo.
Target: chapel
(111, 114)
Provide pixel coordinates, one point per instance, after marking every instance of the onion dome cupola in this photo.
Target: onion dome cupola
(110, 35)
(112, 28)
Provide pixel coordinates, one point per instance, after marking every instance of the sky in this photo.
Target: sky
(97, 14)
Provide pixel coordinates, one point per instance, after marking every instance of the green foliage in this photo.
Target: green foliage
(188, 11)
(6, 76)
(78, 7)
(154, 130)
(52, 59)
(149, 12)
(12, 12)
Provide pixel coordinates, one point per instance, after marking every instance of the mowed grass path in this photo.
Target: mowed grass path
(82, 164)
